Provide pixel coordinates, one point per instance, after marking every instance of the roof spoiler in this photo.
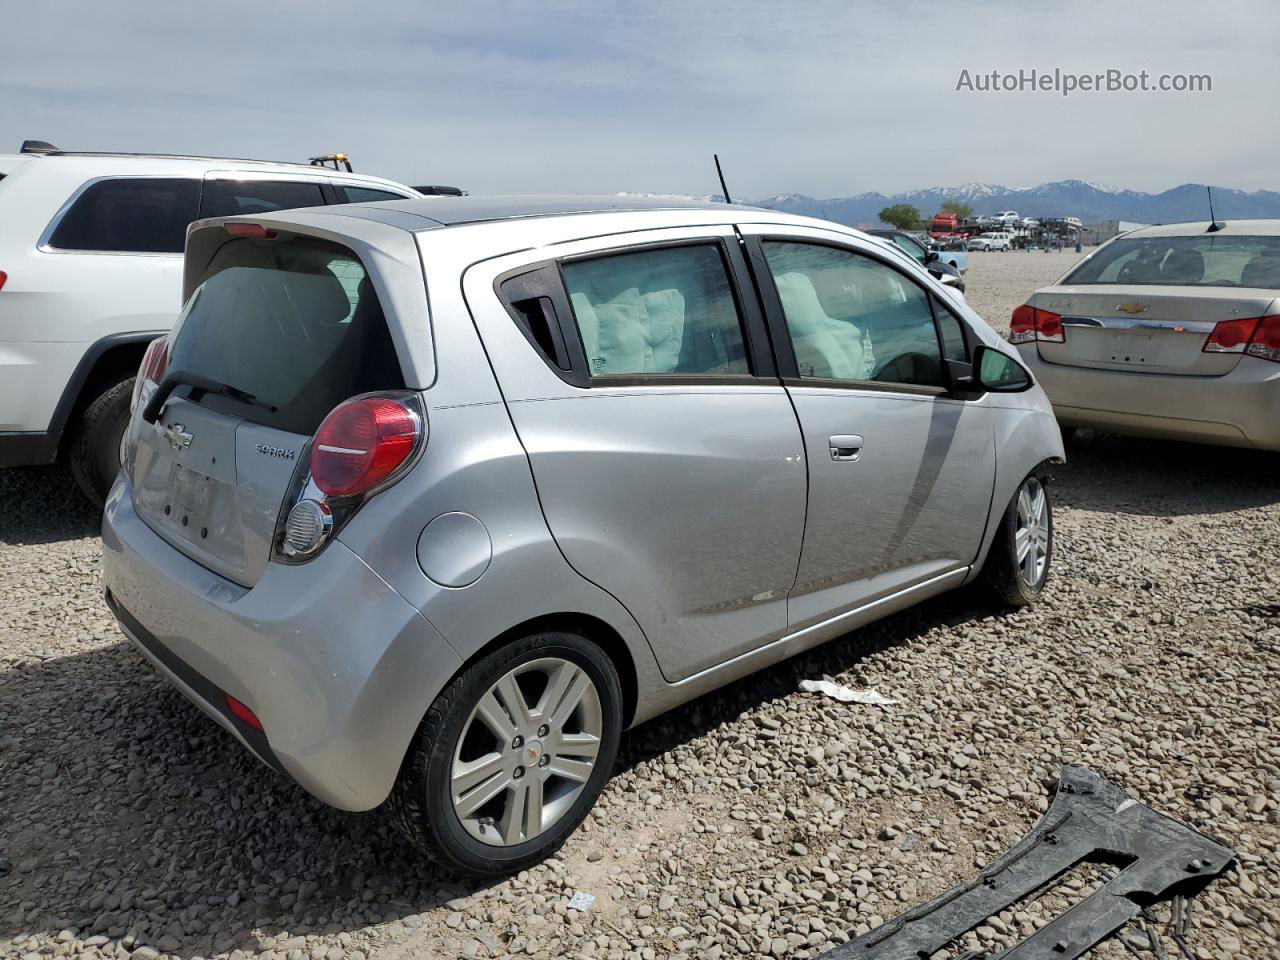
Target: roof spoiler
(38, 146)
(437, 190)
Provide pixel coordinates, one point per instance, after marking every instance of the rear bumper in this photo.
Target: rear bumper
(338, 666)
(28, 449)
(1239, 409)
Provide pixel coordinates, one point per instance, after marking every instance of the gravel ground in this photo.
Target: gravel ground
(757, 821)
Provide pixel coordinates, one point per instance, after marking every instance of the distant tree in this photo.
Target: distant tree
(961, 209)
(902, 215)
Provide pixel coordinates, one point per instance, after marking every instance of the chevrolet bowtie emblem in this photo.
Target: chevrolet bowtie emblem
(177, 436)
(1132, 307)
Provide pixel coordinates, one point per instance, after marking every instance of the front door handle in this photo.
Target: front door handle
(845, 446)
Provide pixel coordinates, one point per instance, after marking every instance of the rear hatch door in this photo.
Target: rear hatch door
(281, 329)
(1149, 329)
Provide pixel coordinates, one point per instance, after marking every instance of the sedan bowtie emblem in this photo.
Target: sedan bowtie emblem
(177, 436)
(1132, 307)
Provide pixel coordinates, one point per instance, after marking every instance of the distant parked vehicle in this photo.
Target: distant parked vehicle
(1007, 217)
(1169, 331)
(91, 254)
(991, 241)
(954, 251)
(439, 555)
(944, 225)
(945, 273)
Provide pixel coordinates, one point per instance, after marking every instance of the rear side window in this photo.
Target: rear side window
(129, 215)
(229, 198)
(654, 312)
(366, 195)
(294, 323)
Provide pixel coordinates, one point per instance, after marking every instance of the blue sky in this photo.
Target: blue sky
(826, 98)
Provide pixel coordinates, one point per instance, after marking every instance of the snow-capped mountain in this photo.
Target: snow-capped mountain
(1091, 202)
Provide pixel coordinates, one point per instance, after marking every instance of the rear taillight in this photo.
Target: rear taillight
(1030, 323)
(1265, 343)
(361, 443)
(253, 231)
(151, 370)
(1230, 336)
(3, 277)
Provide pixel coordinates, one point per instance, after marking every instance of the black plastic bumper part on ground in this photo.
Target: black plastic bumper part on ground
(1090, 821)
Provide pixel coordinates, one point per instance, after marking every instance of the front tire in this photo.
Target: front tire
(1017, 567)
(511, 755)
(94, 451)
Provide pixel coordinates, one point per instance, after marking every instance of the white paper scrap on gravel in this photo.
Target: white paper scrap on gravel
(581, 901)
(838, 691)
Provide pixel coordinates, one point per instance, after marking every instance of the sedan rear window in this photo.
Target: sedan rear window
(1207, 260)
(295, 324)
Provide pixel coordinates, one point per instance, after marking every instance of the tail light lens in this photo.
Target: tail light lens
(361, 443)
(3, 277)
(1265, 343)
(1230, 336)
(151, 370)
(1030, 323)
(243, 712)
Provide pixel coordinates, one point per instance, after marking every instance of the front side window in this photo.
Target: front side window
(852, 317)
(656, 312)
(129, 215)
(1208, 260)
(229, 198)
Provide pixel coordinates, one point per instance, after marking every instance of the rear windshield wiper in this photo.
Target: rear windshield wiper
(151, 412)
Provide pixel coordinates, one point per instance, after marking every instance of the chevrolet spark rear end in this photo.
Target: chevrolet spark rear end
(1168, 332)
(246, 455)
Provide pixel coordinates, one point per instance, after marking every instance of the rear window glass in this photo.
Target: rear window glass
(229, 198)
(129, 215)
(667, 311)
(368, 195)
(294, 323)
(1208, 260)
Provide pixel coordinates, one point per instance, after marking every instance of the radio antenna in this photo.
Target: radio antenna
(720, 173)
(1214, 225)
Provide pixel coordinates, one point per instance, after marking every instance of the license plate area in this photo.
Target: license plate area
(189, 502)
(1131, 348)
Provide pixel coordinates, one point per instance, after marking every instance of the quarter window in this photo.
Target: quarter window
(952, 331)
(851, 317)
(655, 312)
(367, 195)
(129, 216)
(229, 198)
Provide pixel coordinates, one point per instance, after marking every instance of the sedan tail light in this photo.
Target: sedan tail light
(151, 370)
(1030, 323)
(1265, 343)
(1230, 336)
(3, 277)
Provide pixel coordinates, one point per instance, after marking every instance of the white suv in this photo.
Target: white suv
(91, 272)
(997, 240)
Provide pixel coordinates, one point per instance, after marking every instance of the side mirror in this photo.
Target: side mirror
(995, 371)
(931, 256)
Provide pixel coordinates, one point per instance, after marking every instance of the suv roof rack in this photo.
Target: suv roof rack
(44, 148)
(332, 158)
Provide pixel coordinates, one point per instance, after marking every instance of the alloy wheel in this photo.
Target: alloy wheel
(1032, 532)
(526, 752)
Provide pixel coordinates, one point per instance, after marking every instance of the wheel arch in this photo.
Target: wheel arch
(106, 362)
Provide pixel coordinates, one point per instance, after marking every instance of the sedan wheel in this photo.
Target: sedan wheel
(1032, 531)
(1017, 566)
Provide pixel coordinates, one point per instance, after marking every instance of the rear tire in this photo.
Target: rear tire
(1015, 577)
(94, 450)
(432, 800)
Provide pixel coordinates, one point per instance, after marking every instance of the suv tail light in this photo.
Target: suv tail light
(1266, 340)
(1030, 323)
(151, 370)
(361, 443)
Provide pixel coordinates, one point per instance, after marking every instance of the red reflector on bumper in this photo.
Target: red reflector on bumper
(244, 713)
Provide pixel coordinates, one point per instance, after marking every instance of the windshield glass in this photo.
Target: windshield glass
(1207, 260)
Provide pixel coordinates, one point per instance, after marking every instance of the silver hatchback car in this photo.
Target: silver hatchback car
(425, 502)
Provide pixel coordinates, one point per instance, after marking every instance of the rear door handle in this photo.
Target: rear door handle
(845, 446)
